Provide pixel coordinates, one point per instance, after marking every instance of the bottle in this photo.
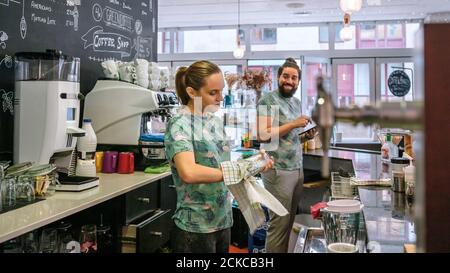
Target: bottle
(410, 179)
(87, 143)
(258, 163)
(228, 101)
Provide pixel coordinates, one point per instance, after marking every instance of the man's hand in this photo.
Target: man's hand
(301, 121)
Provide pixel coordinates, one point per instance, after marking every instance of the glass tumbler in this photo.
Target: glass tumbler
(88, 239)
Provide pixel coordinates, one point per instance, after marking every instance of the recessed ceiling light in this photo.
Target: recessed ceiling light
(302, 13)
(295, 5)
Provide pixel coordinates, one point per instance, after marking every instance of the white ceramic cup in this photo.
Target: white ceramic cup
(110, 69)
(342, 248)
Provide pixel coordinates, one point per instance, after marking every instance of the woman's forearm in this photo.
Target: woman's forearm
(192, 173)
(199, 174)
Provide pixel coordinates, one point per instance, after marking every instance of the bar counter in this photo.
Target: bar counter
(388, 215)
(22, 220)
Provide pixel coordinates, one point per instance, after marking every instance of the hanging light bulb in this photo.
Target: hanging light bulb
(346, 33)
(239, 51)
(350, 6)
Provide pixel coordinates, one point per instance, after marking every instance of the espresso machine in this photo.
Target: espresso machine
(121, 114)
(387, 114)
(46, 107)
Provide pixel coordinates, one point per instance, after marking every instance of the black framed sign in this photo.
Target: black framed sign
(399, 83)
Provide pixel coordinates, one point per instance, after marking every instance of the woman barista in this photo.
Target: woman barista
(195, 147)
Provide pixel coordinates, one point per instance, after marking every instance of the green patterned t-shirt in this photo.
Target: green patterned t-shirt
(288, 155)
(201, 208)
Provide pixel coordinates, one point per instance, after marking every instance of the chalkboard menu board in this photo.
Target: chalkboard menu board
(93, 30)
(399, 83)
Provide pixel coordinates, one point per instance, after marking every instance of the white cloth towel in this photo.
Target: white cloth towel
(249, 195)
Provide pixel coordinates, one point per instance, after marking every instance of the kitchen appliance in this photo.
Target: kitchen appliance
(121, 117)
(341, 220)
(46, 106)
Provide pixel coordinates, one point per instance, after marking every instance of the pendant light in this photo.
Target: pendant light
(350, 6)
(346, 33)
(239, 52)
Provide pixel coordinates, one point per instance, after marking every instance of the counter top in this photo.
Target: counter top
(22, 220)
(388, 216)
(366, 165)
(389, 220)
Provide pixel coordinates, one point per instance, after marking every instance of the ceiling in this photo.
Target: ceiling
(200, 13)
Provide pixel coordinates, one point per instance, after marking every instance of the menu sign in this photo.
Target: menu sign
(399, 83)
(92, 30)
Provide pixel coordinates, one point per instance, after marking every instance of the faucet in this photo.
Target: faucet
(401, 114)
(323, 114)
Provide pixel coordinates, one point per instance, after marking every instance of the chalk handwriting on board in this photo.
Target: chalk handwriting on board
(7, 101)
(75, 14)
(3, 39)
(72, 3)
(107, 42)
(39, 6)
(97, 59)
(4, 2)
(143, 47)
(117, 19)
(97, 12)
(7, 61)
(125, 6)
(399, 83)
(138, 27)
(23, 23)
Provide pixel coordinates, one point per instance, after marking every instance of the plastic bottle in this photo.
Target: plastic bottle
(259, 162)
(228, 101)
(410, 179)
(87, 143)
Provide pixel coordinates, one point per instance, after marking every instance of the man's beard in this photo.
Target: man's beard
(287, 93)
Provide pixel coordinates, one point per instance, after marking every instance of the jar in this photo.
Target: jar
(45, 179)
(66, 238)
(104, 239)
(398, 175)
(398, 181)
(398, 163)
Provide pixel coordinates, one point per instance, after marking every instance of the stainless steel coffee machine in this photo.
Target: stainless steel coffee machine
(46, 107)
(121, 114)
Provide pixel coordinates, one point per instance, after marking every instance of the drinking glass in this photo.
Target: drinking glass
(49, 241)
(88, 239)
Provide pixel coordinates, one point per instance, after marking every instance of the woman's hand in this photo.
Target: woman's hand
(269, 163)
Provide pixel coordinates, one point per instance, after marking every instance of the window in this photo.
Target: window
(163, 42)
(272, 67)
(379, 35)
(263, 36)
(294, 38)
(201, 41)
(386, 68)
(354, 79)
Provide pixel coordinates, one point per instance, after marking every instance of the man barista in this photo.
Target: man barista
(285, 180)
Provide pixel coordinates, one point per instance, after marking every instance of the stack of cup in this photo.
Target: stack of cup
(141, 72)
(110, 69)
